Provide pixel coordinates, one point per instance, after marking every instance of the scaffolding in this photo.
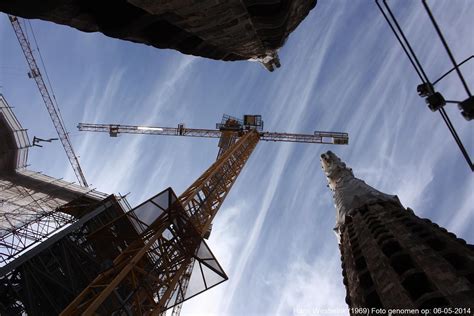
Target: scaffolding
(47, 276)
(34, 206)
(47, 252)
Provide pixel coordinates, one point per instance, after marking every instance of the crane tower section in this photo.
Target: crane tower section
(151, 272)
(162, 267)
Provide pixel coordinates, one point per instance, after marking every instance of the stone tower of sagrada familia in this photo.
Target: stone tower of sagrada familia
(392, 258)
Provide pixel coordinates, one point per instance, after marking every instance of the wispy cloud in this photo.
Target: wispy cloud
(225, 242)
(252, 240)
(125, 154)
(342, 70)
(309, 288)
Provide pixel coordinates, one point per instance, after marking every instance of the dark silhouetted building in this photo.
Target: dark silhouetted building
(223, 30)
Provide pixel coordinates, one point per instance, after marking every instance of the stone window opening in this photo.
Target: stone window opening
(360, 264)
(366, 280)
(417, 285)
(455, 260)
(401, 263)
(390, 248)
(372, 299)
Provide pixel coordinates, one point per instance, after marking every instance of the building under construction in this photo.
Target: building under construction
(56, 237)
(222, 30)
(75, 251)
(391, 258)
(49, 245)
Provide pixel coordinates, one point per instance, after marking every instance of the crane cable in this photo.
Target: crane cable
(446, 46)
(47, 76)
(405, 44)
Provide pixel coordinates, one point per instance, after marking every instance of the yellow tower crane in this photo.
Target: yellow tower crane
(171, 262)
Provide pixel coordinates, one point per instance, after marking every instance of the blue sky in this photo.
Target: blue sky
(342, 70)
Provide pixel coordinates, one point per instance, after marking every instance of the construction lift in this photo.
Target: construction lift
(171, 262)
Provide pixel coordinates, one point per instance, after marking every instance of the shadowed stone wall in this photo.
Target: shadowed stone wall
(217, 29)
(391, 258)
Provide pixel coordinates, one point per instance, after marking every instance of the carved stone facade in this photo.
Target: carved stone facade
(217, 29)
(392, 259)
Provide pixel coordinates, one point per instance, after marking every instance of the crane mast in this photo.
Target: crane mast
(50, 105)
(228, 139)
(154, 272)
(172, 241)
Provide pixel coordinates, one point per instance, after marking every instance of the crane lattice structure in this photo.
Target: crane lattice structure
(160, 270)
(52, 108)
(239, 128)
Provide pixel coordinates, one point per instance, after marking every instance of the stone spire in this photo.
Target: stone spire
(349, 192)
(391, 258)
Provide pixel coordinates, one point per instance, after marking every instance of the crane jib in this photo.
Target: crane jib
(318, 137)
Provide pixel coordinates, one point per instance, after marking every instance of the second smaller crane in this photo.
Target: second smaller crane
(47, 97)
